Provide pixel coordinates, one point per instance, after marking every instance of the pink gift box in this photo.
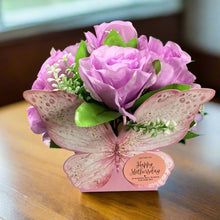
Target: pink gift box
(143, 172)
(115, 99)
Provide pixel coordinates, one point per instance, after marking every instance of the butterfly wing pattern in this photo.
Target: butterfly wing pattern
(99, 155)
(93, 147)
(89, 171)
(172, 106)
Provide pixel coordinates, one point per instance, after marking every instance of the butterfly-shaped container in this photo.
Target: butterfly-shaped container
(102, 160)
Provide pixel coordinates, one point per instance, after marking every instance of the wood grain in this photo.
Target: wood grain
(33, 184)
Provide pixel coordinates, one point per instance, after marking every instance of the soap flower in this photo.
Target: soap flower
(116, 76)
(52, 68)
(54, 64)
(124, 28)
(173, 61)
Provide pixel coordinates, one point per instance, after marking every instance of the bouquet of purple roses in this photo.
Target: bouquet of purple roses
(113, 96)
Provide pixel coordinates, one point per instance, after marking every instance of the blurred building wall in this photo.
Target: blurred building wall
(201, 37)
(202, 25)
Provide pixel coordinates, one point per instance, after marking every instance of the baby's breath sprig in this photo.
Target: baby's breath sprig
(153, 127)
(70, 67)
(201, 111)
(72, 85)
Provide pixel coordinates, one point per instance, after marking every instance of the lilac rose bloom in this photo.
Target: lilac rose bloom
(52, 64)
(116, 76)
(124, 28)
(173, 62)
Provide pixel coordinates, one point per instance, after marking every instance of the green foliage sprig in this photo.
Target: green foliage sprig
(152, 127)
(70, 84)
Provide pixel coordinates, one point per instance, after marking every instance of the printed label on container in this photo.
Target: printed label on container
(144, 169)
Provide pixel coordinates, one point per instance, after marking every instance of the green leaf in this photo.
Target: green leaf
(91, 114)
(138, 102)
(182, 141)
(180, 87)
(132, 43)
(114, 39)
(192, 124)
(190, 135)
(81, 53)
(53, 145)
(157, 66)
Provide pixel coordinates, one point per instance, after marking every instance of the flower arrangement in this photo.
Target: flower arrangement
(115, 99)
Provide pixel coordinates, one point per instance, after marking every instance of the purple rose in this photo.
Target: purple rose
(173, 62)
(36, 124)
(124, 28)
(116, 76)
(53, 63)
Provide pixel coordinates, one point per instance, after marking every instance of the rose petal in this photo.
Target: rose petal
(72, 49)
(38, 84)
(172, 49)
(84, 66)
(134, 88)
(155, 46)
(91, 41)
(142, 43)
(124, 28)
(36, 124)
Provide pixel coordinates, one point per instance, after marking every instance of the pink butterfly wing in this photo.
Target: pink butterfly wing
(169, 166)
(92, 168)
(168, 105)
(57, 111)
(89, 171)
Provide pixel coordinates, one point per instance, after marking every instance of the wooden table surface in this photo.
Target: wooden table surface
(33, 184)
